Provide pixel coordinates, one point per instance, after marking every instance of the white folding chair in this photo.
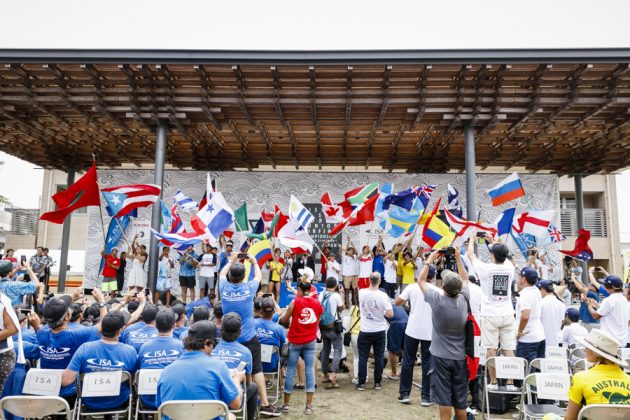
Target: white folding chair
(83, 411)
(581, 365)
(624, 353)
(193, 410)
(145, 389)
(558, 366)
(546, 386)
(519, 369)
(273, 375)
(554, 352)
(242, 412)
(605, 412)
(35, 406)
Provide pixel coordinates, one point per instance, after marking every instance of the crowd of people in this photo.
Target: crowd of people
(225, 344)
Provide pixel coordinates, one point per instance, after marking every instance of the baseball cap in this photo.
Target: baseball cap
(55, 310)
(203, 329)
(5, 267)
(267, 305)
(231, 322)
(573, 314)
(613, 282)
(237, 271)
(545, 284)
(308, 272)
(451, 282)
(432, 272)
(530, 274)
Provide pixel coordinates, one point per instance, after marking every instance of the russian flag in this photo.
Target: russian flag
(507, 190)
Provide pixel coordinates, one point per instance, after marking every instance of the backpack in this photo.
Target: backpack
(327, 318)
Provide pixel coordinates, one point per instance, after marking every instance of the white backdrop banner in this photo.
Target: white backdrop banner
(261, 190)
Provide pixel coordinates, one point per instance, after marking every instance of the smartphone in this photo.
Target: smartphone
(242, 256)
(481, 234)
(267, 295)
(147, 291)
(241, 367)
(23, 259)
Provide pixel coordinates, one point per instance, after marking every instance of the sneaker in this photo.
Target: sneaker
(493, 387)
(404, 399)
(285, 408)
(377, 386)
(393, 377)
(360, 387)
(511, 388)
(426, 403)
(269, 411)
(355, 381)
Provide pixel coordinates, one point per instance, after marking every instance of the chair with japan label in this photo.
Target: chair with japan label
(551, 365)
(193, 410)
(146, 384)
(554, 352)
(514, 368)
(581, 365)
(32, 406)
(83, 411)
(544, 386)
(267, 353)
(605, 412)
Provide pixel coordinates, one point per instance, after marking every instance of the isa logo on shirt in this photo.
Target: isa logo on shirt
(105, 364)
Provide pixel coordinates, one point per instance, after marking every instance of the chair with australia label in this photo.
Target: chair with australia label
(266, 355)
(146, 381)
(605, 412)
(544, 386)
(506, 368)
(103, 385)
(193, 410)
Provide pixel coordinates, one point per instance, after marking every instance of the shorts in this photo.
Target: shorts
(399, 279)
(254, 347)
(187, 281)
(264, 280)
(498, 330)
(449, 382)
(206, 280)
(109, 284)
(364, 282)
(350, 282)
(163, 284)
(395, 337)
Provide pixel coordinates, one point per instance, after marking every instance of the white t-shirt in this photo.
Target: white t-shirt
(334, 301)
(476, 300)
(373, 304)
(6, 345)
(333, 269)
(570, 332)
(543, 269)
(204, 269)
(365, 266)
(496, 283)
(419, 265)
(530, 298)
(552, 316)
(420, 324)
(614, 312)
(349, 265)
(390, 271)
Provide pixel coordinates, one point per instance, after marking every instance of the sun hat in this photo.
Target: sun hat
(308, 272)
(602, 344)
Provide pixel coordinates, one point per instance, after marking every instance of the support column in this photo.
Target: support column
(65, 242)
(579, 213)
(158, 179)
(471, 174)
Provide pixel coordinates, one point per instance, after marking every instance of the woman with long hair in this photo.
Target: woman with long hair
(137, 276)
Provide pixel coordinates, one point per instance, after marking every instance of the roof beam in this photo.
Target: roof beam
(243, 142)
(267, 140)
(369, 145)
(347, 115)
(314, 120)
(240, 84)
(385, 87)
(276, 91)
(293, 146)
(395, 143)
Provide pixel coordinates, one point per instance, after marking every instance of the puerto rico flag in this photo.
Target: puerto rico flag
(507, 190)
(126, 198)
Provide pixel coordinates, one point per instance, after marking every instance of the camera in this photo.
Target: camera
(447, 251)
(481, 234)
(242, 256)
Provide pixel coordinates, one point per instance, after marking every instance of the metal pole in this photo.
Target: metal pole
(158, 179)
(579, 213)
(471, 174)
(65, 242)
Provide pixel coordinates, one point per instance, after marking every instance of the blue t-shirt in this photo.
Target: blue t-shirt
(187, 270)
(195, 376)
(157, 354)
(28, 335)
(399, 317)
(56, 350)
(223, 260)
(603, 292)
(378, 265)
(585, 315)
(98, 356)
(272, 334)
(190, 308)
(233, 353)
(140, 336)
(177, 332)
(73, 325)
(239, 298)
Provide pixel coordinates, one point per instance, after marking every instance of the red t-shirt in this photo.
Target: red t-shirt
(305, 320)
(323, 262)
(110, 271)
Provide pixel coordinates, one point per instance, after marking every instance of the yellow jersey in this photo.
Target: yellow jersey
(408, 273)
(276, 269)
(601, 384)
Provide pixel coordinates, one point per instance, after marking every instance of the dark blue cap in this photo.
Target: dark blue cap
(530, 274)
(613, 282)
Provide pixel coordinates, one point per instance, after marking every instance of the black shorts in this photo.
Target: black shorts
(187, 281)
(449, 382)
(254, 347)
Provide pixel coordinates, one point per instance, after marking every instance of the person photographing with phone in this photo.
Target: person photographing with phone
(17, 290)
(187, 269)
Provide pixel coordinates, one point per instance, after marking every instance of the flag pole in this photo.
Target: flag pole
(100, 209)
(122, 231)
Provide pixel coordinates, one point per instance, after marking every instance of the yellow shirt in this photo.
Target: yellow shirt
(355, 320)
(276, 269)
(601, 384)
(399, 265)
(408, 273)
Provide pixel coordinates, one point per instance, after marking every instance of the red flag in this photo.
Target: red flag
(361, 215)
(84, 192)
(581, 251)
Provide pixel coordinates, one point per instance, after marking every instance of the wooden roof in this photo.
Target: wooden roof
(565, 118)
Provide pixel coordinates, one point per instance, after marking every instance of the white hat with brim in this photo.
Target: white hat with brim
(604, 345)
(307, 271)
